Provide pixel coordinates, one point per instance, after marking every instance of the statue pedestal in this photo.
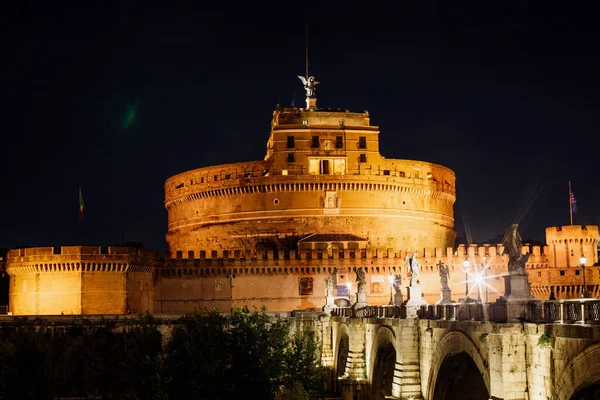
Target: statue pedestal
(445, 296)
(414, 301)
(398, 299)
(517, 294)
(516, 287)
(329, 304)
(361, 299)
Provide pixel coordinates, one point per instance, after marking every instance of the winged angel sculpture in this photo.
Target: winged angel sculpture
(309, 86)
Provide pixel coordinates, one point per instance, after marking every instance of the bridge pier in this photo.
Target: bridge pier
(355, 366)
(407, 379)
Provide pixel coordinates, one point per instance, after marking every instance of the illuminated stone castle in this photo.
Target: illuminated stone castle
(322, 174)
(323, 203)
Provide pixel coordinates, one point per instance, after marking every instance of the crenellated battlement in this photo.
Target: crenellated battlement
(89, 252)
(313, 261)
(459, 253)
(571, 233)
(569, 242)
(80, 259)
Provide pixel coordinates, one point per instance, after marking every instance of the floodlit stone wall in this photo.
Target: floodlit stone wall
(563, 273)
(80, 280)
(292, 280)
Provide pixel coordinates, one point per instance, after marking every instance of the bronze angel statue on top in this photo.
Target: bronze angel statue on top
(309, 86)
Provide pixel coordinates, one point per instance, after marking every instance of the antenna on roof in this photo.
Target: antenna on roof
(306, 41)
(309, 83)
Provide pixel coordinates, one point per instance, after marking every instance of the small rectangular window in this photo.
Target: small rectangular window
(362, 158)
(228, 176)
(362, 142)
(304, 122)
(290, 158)
(401, 174)
(339, 142)
(247, 175)
(577, 272)
(562, 273)
(216, 177)
(314, 143)
(201, 180)
(290, 142)
(386, 171)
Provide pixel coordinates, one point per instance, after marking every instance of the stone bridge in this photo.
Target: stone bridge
(465, 351)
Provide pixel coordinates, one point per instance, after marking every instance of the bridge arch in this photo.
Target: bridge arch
(582, 371)
(382, 363)
(342, 349)
(454, 344)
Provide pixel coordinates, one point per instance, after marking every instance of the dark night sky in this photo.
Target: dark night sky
(504, 93)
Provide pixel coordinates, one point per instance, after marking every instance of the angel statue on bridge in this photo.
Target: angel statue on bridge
(513, 243)
(397, 283)
(444, 274)
(361, 279)
(414, 267)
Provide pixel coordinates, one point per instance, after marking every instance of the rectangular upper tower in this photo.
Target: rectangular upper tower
(323, 142)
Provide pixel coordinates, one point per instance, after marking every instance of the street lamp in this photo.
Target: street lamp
(466, 268)
(485, 268)
(391, 279)
(583, 260)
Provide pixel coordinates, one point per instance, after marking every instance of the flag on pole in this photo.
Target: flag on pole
(80, 204)
(573, 203)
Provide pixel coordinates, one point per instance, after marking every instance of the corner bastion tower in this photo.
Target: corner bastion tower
(323, 184)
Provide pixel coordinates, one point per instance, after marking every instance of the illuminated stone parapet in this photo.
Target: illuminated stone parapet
(80, 280)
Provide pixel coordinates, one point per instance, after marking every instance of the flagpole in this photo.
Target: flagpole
(80, 217)
(570, 204)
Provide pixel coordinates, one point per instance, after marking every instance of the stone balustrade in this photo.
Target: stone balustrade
(574, 311)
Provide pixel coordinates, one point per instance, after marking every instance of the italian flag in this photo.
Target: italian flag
(80, 204)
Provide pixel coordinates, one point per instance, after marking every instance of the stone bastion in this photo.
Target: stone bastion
(80, 280)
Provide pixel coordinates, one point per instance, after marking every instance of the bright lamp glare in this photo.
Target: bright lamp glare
(582, 260)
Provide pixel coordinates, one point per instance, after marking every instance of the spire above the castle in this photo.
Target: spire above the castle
(309, 82)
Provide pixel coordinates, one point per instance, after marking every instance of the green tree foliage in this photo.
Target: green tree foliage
(24, 365)
(302, 363)
(141, 365)
(242, 355)
(196, 357)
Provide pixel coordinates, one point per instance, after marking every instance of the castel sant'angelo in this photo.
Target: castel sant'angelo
(322, 204)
